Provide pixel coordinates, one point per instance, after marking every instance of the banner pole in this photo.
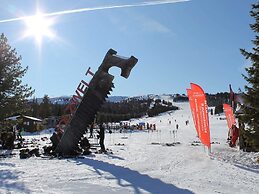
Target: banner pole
(209, 151)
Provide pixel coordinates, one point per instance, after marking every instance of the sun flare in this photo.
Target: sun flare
(39, 27)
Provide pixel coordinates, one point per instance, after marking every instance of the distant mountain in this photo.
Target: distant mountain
(56, 100)
(116, 98)
(65, 99)
(166, 97)
(60, 100)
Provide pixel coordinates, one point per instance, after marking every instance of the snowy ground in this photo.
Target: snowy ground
(144, 164)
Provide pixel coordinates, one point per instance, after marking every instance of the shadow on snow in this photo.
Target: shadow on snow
(134, 179)
(254, 169)
(9, 181)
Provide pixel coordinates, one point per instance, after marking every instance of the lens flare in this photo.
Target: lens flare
(39, 27)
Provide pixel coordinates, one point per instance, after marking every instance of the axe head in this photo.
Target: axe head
(112, 59)
(127, 66)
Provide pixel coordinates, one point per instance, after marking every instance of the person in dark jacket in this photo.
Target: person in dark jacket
(101, 136)
(91, 130)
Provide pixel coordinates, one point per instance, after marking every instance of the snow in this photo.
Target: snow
(116, 99)
(141, 163)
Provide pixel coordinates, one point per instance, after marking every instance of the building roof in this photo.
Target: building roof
(14, 118)
(32, 118)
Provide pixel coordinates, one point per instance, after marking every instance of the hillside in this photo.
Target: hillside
(135, 107)
(117, 108)
(142, 162)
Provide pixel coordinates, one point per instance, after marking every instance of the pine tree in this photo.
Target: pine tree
(13, 94)
(251, 110)
(34, 108)
(45, 107)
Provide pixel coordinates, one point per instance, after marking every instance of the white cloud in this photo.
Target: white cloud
(87, 9)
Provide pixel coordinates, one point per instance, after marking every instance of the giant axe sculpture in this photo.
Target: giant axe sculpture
(99, 87)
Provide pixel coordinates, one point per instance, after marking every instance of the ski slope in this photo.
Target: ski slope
(142, 162)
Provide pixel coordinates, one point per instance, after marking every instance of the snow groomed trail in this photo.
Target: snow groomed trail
(142, 162)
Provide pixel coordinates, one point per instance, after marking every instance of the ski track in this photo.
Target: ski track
(140, 166)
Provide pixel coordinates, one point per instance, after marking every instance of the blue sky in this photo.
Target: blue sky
(178, 43)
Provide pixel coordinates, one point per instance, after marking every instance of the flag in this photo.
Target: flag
(201, 114)
(193, 110)
(229, 115)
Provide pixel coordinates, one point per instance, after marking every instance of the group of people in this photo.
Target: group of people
(139, 126)
(7, 138)
(151, 126)
(100, 134)
(84, 143)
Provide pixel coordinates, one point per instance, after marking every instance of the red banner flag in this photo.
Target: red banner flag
(192, 105)
(229, 115)
(201, 114)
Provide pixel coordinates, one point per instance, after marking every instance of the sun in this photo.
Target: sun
(39, 26)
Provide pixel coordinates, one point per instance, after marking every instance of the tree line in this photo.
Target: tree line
(110, 111)
(123, 110)
(44, 109)
(217, 100)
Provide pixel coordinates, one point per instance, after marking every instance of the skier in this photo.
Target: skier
(186, 122)
(154, 126)
(148, 126)
(177, 126)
